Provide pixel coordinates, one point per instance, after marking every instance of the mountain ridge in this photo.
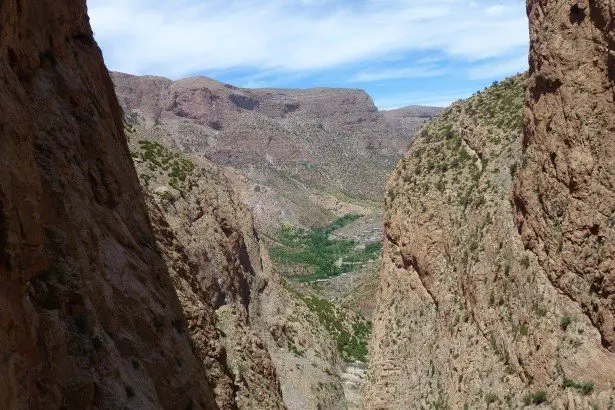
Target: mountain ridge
(307, 155)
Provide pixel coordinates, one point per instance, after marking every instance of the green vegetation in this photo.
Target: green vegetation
(565, 322)
(585, 388)
(162, 160)
(535, 398)
(324, 256)
(351, 335)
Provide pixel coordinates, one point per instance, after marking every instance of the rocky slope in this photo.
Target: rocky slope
(88, 314)
(308, 155)
(508, 326)
(466, 315)
(298, 157)
(261, 345)
(208, 241)
(410, 119)
(99, 310)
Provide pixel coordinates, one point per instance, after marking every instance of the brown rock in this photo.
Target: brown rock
(467, 316)
(565, 194)
(260, 345)
(86, 304)
(302, 151)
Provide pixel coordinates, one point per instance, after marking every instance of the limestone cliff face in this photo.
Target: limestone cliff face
(208, 241)
(565, 193)
(466, 315)
(88, 314)
(491, 302)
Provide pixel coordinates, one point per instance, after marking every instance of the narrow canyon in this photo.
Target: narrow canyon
(190, 244)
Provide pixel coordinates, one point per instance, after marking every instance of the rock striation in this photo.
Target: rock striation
(565, 194)
(88, 314)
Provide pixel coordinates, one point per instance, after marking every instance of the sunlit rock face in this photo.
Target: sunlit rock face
(497, 282)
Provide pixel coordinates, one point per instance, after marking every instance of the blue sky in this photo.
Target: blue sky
(401, 52)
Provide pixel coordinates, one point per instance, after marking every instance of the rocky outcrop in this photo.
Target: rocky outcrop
(466, 315)
(307, 155)
(565, 194)
(88, 314)
(261, 347)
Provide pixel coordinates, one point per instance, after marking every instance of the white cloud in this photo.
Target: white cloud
(499, 69)
(184, 37)
(398, 73)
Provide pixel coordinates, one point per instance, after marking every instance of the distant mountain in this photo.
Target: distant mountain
(302, 156)
(411, 118)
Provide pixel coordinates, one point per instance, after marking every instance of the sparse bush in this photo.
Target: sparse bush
(491, 398)
(585, 388)
(565, 322)
(535, 398)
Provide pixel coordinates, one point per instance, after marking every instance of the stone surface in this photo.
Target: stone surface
(88, 314)
(466, 315)
(565, 194)
(260, 345)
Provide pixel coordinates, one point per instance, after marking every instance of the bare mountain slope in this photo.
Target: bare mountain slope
(260, 345)
(411, 118)
(497, 285)
(307, 154)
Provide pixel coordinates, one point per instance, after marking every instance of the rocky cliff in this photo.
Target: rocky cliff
(88, 314)
(496, 286)
(466, 315)
(565, 194)
(260, 345)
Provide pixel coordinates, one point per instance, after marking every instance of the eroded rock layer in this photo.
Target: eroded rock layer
(307, 155)
(565, 193)
(466, 315)
(88, 314)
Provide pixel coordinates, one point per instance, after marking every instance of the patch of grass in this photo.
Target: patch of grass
(162, 160)
(536, 398)
(351, 336)
(565, 322)
(324, 256)
(341, 222)
(491, 398)
(585, 388)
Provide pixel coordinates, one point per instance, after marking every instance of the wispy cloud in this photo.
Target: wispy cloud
(398, 73)
(498, 69)
(184, 37)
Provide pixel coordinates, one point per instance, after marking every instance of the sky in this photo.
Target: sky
(402, 52)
